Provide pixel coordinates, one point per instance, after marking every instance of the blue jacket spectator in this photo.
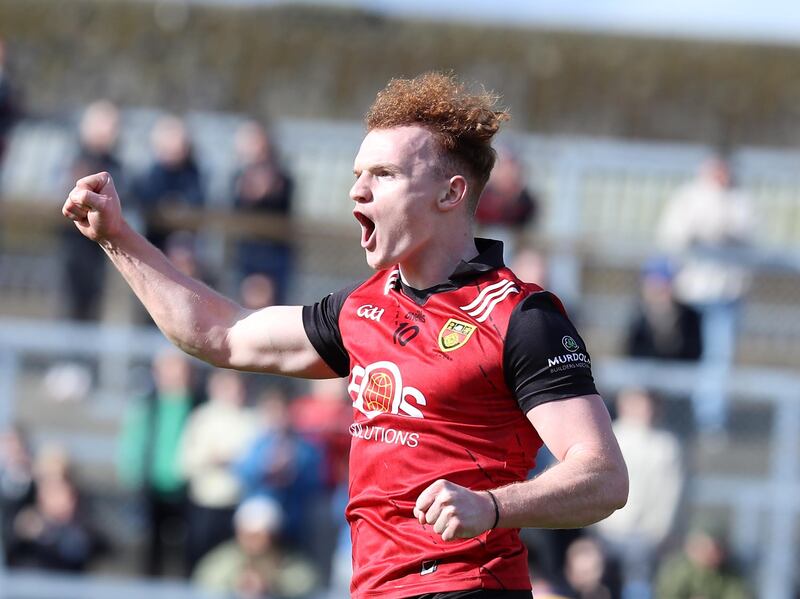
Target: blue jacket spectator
(283, 466)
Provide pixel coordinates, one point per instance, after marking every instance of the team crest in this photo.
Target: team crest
(455, 334)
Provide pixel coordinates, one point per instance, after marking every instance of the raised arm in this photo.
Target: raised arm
(194, 317)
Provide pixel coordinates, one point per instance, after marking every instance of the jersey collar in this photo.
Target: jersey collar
(490, 257)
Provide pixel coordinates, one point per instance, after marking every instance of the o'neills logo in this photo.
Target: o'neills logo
(575, 358)
(381, 434)
(378, 389)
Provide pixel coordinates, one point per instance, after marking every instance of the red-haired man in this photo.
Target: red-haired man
(458, 371)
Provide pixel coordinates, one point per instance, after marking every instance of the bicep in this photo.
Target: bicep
(576, 424)
(274, 340)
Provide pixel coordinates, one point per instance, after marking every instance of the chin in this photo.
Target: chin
(375, 263)
(379, 262)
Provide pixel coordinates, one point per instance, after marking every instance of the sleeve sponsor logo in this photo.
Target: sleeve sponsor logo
(378, 389)
(567, 361)
(569, 343)
(455, 334)
(574, 359)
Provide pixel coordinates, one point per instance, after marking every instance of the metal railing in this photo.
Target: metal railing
(589, 186)
(772, 500)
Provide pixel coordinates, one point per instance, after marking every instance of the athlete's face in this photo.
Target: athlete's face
(398, 182)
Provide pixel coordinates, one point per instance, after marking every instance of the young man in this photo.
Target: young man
(458, 370)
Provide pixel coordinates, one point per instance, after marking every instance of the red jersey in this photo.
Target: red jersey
(441, 381)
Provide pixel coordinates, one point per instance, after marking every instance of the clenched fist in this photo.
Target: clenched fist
(93, 204)
(454, 511)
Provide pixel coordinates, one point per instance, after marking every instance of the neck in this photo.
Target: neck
(436, 262)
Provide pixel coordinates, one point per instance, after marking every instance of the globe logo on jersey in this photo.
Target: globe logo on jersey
(378, 389)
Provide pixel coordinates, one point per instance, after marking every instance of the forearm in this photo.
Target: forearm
(579, 491)
(191, 315)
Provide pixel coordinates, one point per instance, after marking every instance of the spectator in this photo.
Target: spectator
(545, 584)
(8, 110)
(702, 569)
(257, 291)
(16, 480)
(662, 327)
(704, 225)
(636, 533)
(181, 249)
(51, 534)
(173, 179)
(253, 564)
(586, 569)
(84, 260)
(52, 463)
(507, 206)
(281, 465)
(530, 265)
(341, 562)
(148, 456)
(262, 186)
(216, 436)
(323, 418)
(545, 589)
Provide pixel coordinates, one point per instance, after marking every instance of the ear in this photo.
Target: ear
(455, 195)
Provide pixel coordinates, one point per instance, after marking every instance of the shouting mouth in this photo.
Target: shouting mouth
(367, 231)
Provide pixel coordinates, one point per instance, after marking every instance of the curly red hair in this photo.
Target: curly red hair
(463, 122)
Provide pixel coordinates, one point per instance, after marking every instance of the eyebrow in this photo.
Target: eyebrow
(380, 166)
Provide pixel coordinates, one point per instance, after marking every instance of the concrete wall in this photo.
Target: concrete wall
(309, 62)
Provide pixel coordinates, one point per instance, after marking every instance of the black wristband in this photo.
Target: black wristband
(496, 511)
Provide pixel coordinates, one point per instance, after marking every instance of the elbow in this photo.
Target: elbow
(620, 494)
(617, 488)
(202, 352)
(211, 347)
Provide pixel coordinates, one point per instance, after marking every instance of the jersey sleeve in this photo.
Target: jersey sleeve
(544, 358)
(321, 322)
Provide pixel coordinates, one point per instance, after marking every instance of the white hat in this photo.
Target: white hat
(258, 514)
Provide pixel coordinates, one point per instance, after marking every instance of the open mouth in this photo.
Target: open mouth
(367, 229)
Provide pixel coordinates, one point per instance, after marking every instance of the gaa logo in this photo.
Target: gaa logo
(370, 311)
(569, 343)
(378, 389)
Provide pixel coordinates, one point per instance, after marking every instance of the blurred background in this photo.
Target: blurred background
(650, 177)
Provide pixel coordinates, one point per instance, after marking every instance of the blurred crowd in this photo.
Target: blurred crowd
(241, 484)
(174, 181)
(240, 488)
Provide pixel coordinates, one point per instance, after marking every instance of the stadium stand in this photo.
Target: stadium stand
(601, 200)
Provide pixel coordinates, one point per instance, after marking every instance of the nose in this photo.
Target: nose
(360, 191)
